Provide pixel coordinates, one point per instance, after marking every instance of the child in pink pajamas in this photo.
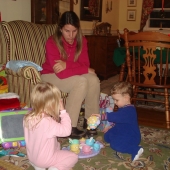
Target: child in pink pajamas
(42, 125)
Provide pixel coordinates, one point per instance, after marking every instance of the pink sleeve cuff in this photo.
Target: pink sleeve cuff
(62, 112)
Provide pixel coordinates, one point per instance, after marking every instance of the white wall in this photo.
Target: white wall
(15, 10)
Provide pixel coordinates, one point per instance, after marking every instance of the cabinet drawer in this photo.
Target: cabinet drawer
(111, 39)
(110, 48)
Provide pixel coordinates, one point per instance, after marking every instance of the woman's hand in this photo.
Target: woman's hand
(91, 70)
(59, 66)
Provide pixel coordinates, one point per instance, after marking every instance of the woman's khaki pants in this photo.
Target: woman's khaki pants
(79, 87)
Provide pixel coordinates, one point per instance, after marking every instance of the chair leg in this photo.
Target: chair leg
(167, 114)
(122, 72)
(153, 95)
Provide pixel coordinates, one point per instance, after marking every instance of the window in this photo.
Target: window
(158, 20)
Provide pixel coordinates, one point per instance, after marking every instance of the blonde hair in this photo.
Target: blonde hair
(45, 99)
(68, 17)
(122, 88)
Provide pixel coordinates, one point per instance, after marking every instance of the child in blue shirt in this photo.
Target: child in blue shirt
(125, 135)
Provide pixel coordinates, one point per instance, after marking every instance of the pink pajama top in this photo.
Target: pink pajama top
(72, 68)
(41, 142)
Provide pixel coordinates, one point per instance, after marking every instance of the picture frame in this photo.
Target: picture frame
(90, 11)
(44, 11)
(131, 3)
(131, 15)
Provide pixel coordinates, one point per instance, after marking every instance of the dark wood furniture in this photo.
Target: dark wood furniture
(100, 49)
(46, 11)
(151, 117)
(121, 43)
(91, 10)
(154, 73)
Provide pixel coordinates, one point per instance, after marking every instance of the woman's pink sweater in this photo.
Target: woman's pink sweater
(72, 68)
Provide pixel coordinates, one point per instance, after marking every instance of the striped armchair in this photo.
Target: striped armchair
(22, 40)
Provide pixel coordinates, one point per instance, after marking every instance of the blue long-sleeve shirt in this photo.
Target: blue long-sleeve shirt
(125, 120)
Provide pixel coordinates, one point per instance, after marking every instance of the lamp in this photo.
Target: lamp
(108, 8)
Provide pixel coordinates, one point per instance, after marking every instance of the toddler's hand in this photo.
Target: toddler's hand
(106, 129)
(109, 109)
(98, 115)
(61, 105)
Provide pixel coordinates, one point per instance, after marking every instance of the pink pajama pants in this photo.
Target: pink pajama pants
(62, 160)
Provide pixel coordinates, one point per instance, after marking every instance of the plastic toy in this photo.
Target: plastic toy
(87, 147)
(74, 145)
(90, 142)
(13, 131)
(75, 148)
(93, 122)
(11, 152)
(7, 145)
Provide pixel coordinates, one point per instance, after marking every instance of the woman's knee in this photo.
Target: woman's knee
(81, 83)
(92, 79)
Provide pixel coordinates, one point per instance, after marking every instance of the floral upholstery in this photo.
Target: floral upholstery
(22, 40)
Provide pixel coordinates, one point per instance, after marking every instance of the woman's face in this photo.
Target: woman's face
(69, 33)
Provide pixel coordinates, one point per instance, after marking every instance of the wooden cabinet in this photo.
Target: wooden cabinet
(47, 11)
(44, 11)
(100, 49)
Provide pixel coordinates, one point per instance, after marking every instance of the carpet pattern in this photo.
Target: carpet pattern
(156, 156)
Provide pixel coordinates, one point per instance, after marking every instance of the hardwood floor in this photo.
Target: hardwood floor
(151, 117)
(146, 117)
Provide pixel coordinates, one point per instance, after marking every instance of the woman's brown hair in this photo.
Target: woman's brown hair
(68, 17)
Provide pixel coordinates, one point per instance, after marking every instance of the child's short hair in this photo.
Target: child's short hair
(122, 87)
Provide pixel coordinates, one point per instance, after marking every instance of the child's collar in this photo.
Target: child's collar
(127, 105)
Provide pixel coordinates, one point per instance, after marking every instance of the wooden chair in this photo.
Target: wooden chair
(153, 49)
(121, 43)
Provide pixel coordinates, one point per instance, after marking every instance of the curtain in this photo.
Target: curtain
(147, 8)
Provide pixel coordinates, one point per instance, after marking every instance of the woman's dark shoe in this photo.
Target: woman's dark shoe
(91, 132)
(77, 134)
(85, 123)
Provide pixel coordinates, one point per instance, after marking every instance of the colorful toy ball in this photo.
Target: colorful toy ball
(93, 122)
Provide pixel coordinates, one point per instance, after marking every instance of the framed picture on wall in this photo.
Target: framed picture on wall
(91, 10)
(44, 11)
(131, 15)
(131, 3)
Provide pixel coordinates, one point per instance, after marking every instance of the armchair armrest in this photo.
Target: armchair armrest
(27, 72)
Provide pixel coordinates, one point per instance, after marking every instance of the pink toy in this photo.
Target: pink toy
(87, 151)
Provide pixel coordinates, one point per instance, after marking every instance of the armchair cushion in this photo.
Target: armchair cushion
(22, 40)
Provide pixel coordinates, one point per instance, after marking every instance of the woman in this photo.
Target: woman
(67, 66)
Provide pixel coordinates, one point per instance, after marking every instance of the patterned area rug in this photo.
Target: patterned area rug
(156, 156)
